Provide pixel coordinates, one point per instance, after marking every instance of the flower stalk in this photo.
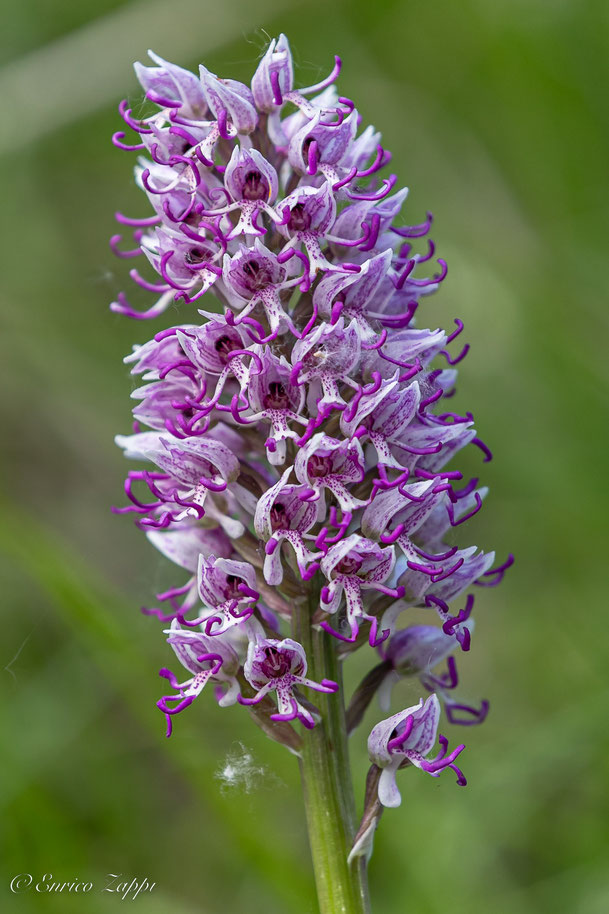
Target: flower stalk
(342, 886)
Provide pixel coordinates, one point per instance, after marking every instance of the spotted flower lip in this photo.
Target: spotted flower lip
(409, 736)
(279, 666)
(294, 440)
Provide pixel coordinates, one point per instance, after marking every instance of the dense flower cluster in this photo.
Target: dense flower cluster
(297, 438)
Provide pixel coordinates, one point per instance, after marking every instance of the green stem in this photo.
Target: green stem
(326, 781)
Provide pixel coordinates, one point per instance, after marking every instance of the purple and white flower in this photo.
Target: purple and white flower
(206, 658)
(352, 565)
(415, 651)
(286, 513)
(280, 666)
(407, 738)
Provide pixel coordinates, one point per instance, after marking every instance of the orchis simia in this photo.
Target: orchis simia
(294, 452)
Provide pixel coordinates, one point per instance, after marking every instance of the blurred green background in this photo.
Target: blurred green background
(497, 116)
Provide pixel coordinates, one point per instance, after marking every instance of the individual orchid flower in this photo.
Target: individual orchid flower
(449, 586)
(407, 506)
(274, 397)
(327, 463)
(286, 513)
(382, 416)
(165, 143)
(227, 591)
(407, 738)
(255, 276)
(206, 658)
(324, 357)
(280, 666)
(152, 359)
(274, 77)
(231, 103)
(352, 294)
(318, 146)
(415, 651)
(272, 86)
(189, 470)
(173, 87)
(220, 351)
(377, 214)
(168, 404)
(352, 565)
(187, 266)
(252, 184)
(173, 192)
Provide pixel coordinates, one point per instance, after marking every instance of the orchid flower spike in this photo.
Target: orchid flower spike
(294, 451)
